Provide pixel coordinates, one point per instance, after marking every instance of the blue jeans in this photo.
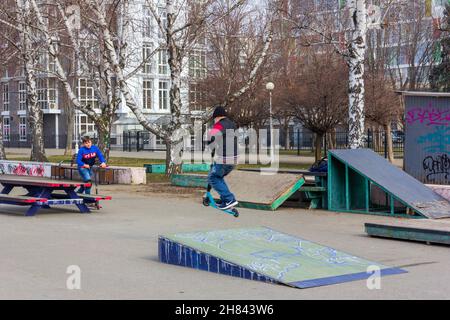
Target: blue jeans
(215, 179)
(85, 174)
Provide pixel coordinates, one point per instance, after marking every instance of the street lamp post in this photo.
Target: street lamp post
(270, 86)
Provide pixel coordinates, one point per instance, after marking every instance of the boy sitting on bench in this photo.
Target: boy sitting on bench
(86, 159)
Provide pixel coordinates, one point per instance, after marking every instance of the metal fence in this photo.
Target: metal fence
(304, 141)
(295, 141)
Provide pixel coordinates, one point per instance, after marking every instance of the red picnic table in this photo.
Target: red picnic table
(42, 193)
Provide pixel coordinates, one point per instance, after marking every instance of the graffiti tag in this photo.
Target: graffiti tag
(440, 165)
(22, 170)
(429, 116)
(439, 139)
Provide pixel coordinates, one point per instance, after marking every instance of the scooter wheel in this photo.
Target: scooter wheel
(235, 213)
(206, 201)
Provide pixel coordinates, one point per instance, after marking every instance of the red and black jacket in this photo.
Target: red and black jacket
(223, 140)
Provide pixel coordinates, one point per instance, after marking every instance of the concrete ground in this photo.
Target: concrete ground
(116, 249)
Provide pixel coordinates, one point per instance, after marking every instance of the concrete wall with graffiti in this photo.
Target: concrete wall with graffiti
(427, 141)
(122, 175)
(24, 168)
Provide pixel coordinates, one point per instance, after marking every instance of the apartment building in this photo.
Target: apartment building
(148, 75)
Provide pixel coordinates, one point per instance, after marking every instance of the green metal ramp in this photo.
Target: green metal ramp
(264, 254)
(360, 181)
(423, 230)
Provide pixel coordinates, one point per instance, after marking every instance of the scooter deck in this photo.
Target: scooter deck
(213, 204)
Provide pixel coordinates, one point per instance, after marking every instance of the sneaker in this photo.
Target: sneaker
(227, 205)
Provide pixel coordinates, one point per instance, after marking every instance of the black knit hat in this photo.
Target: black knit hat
(219, 111)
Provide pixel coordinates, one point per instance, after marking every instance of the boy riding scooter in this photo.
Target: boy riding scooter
(226, 156)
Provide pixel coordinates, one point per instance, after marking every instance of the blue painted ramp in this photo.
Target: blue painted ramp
(266, 255)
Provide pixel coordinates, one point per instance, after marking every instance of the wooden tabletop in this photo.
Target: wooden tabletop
(39, 181)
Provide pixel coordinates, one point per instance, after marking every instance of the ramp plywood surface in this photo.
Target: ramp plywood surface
(255, 187)
(394, 180)
(264, 254)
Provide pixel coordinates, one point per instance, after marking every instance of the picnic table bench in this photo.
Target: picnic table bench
(315, 187)
(101, 175)
(43, 193)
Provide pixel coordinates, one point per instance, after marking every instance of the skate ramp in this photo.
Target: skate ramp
(259, 191)
(355, 174)
(252, 189)
(267, 255)
(424, 230)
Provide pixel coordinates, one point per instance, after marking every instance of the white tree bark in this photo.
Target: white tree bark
(355, 61)
(35, 114)
(119, 73)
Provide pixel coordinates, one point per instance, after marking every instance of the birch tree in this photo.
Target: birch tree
(181, 24)
(345, 28)
(93, 68)
(28, 45)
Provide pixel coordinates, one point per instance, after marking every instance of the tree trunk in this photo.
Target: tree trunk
(318, 146)
(35, 118)
(70, 126)
(332, 139)
(287, 143)
(171, 166)
(35, 114)
(104, 141)
(390, 149)
(37, 134)
(355, 61)
(2, 147)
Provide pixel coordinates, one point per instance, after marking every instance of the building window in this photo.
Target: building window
(163, 95)
(5, 96)
(42, 62)
(86, 94)
(51, 63)
(195, 97)
(163, 65)
(163, 16)
(47, 93)
(6, 128)
(197, 64)
(22, 95)
(83, 125)
(41, 89)
(23, 129)
(147, 22)
(158, 140)
(147, 58)
(147, 94)
(52, 92)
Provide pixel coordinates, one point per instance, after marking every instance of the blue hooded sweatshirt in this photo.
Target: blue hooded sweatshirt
(87, 156)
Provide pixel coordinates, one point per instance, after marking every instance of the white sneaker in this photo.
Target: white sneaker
(227, 205)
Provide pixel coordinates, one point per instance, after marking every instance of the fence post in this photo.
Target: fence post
(385, 145)
(138, 142)
(298, 141)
